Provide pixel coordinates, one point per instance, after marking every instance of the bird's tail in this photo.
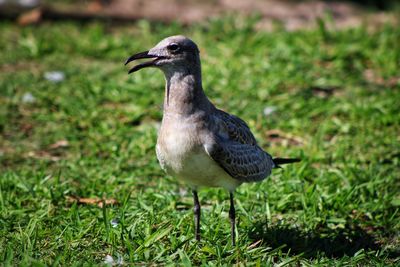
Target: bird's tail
(280, 161)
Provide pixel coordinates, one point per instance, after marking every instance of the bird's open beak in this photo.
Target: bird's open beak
(142, 55)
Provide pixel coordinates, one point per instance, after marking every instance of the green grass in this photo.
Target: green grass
(337, 99)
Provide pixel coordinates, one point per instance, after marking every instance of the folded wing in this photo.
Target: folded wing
(246, 163)
(235, 149)
(234, 127)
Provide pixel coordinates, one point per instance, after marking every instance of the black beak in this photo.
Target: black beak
(141, 55)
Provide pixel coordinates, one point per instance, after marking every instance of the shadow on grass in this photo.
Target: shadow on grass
(333, 243)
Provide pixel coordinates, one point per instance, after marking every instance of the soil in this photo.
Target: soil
(289, 14)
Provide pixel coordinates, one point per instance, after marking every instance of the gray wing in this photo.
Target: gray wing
(236, 128)
(247, 163)
(235, 149)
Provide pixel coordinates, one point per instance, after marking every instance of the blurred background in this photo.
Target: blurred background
(291, 14)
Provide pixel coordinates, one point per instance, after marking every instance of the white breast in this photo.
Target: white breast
(174, 144)
(182, 154)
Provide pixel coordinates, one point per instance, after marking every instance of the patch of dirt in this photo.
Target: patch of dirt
(372, 77)
(91, 201)
(292, 15)
(285, 139)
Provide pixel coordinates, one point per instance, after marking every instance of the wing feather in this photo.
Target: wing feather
(247, 163)
(235, 149)
(235, 127)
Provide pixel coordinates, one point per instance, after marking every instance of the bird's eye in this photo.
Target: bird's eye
(173, 48)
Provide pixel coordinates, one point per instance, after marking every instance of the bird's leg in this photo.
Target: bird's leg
(197, 212)
(232, 218)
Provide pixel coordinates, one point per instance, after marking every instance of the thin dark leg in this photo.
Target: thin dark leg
(232, 218)
(197, 212)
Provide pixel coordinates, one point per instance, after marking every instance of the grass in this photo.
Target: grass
(336, 98)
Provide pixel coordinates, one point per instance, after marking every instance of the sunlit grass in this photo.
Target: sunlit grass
(335, 96)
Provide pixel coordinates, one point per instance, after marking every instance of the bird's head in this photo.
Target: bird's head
(174, 53)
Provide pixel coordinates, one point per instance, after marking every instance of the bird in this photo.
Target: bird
(197, 143)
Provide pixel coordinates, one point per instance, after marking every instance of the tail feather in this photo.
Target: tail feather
(280, 161)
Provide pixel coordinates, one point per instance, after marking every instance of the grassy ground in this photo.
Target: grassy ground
(335, 97)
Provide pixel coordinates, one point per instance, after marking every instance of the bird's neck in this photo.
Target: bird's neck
(184, 93)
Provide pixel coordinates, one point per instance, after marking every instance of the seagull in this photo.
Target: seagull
(198, 143)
